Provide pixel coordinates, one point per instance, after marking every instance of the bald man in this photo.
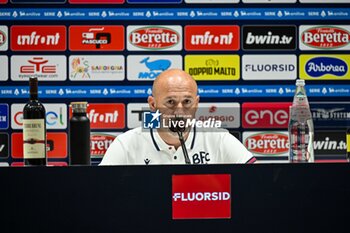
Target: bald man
(174, 95)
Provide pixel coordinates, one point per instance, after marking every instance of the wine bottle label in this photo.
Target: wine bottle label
(34, 143)
(348, 142)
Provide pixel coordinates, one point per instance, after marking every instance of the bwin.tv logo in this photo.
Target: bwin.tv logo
(151, 120)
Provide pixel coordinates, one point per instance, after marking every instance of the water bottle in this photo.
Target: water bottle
(301, 127)
(79, 135)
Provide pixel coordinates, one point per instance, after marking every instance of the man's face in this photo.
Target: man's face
(176, 98)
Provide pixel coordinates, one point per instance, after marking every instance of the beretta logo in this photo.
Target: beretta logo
(154, 38)
(217, 37)
(100, 141)
(270, 143)
(327, 67)
(265, 115)
(38, 38)
(45, 68)
(4, 68)
(106, 116)
(269, 37)
(56, 145)
(96, 38)
(324, 37)
(96, 1)
(201, 196)
(3, 38)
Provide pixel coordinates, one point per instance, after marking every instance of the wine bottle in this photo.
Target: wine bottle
(34, 128)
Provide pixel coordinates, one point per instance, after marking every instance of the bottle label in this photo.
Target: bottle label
(34, 143)
(348, 143)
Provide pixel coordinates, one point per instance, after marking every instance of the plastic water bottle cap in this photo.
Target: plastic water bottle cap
(300, 82)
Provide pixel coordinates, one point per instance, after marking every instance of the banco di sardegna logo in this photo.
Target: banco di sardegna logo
(202, 196)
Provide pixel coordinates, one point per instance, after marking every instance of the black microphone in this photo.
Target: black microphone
(178, 128)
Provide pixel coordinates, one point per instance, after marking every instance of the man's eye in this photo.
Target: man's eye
(187, 102)
(171, 102)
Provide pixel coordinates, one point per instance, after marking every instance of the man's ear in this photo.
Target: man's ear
(151, 103)
(197, 100)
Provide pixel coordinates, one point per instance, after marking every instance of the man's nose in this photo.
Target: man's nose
(179, 109)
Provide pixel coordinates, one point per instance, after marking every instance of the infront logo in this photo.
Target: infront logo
(218, 37)
(106, 116)
(201, 196)
(38, 38)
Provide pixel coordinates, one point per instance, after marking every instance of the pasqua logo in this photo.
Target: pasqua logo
(56, 145)
(98, 37)
(96, 1)
(217, 37)
(324, 37)
(106, 116)
(38, 38)
(154, 38)
(266, 143)
(201, 196)
(100, 143)
(265, 115)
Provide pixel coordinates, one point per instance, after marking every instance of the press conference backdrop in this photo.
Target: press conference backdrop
(245, 56)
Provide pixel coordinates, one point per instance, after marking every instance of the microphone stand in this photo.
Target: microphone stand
(179, 131)
(183, 146)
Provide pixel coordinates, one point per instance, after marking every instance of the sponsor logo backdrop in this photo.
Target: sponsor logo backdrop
(109, 55)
